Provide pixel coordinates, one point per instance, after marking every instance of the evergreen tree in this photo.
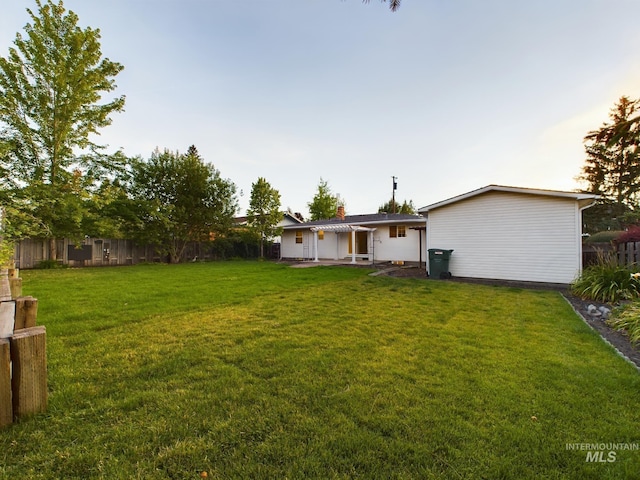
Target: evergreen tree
(612, 166)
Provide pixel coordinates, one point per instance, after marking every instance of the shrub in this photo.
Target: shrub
(607, 236)
(607, 282)
(49, 264)
(631, 235)
(627, 318)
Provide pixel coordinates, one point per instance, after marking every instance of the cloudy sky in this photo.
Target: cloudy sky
(446, 95)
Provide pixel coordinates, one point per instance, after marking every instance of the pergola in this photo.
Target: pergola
(341, 228)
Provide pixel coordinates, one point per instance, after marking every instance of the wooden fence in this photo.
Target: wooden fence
(629, 253)
(23, 357)
(97, 252)
(625, 253)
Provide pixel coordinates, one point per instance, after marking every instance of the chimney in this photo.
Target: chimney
(340, 213)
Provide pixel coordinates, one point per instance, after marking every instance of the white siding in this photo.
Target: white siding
(336, 245)
(389, 249)
(509, 236)
(290, 249)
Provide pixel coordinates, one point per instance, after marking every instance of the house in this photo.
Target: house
(379, 237)
(510, 233)
(288, 218)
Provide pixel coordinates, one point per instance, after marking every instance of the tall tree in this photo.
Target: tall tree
(324, 203)
(612, 166)
(400, 208)
(264, 213)
(51, 87)
(179, 199)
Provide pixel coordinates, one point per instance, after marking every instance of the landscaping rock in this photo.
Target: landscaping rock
(593, 311)
(605, 312)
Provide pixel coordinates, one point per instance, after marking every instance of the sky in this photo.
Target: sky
(446, 95)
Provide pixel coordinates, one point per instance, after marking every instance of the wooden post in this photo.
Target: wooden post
(7, 318)
(29, 380)
(15, 285)
(26, 312)
(6, 407)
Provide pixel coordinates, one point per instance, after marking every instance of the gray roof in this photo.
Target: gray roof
(368, 219)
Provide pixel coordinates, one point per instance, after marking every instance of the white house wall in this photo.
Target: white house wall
(509, 236)
(403, 248)
(336, 245)
(290, 249)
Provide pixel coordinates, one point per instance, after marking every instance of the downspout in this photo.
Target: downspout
(579, 223)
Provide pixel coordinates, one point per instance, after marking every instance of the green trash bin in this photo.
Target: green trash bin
(439, 263)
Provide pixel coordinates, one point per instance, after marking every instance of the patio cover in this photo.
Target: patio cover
(339, 228)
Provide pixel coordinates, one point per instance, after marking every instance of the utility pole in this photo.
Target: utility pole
(393, 194)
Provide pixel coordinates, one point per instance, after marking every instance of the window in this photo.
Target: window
(320, 234)
(397, 231)
(298, 236)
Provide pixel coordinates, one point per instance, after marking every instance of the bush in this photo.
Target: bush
(49, 264)
(627, 318)
(607, 282)
(607, 236)
(631, 235)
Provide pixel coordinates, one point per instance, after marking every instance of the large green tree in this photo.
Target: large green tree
(264, 212)
(404, 207)
(51, 105)
(612, 165)
(324, 204)
(178, 198)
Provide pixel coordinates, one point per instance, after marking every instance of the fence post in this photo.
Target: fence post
(29, 378)
(621, 259)
(6, 406)
(26, 312)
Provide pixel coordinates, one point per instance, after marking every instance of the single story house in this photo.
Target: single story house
(510, 233)
(288, 218)
(379, 237)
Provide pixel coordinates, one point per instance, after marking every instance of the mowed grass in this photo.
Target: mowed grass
(260, 371)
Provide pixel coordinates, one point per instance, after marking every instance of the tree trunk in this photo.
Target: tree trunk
(53, 250)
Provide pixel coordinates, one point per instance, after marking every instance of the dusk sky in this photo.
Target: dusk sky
(446, 95)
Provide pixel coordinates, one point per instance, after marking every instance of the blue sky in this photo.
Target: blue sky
(446, 95)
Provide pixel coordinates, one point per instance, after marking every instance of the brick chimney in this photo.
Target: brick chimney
(340, 213)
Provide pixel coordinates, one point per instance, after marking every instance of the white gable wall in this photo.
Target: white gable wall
(510, 236)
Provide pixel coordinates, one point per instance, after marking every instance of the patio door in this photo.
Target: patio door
(361, 243)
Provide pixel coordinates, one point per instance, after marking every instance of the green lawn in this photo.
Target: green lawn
(258, 370)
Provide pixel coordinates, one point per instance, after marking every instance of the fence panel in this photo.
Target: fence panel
(629, 253)
(97, 252)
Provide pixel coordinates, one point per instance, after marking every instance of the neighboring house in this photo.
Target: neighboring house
(510, 233)
(288, 218)
(379, 237)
